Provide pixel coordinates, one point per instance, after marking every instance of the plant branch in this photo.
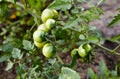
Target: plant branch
(109, 50)
(32, 26)
(59, 59)
(116, 48)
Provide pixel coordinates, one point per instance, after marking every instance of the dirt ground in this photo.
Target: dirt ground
(110, 10)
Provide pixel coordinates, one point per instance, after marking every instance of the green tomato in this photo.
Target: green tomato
(48, 50)
(87, 47)
(55, 13)
(81, 51)
(39, 36)
(74, 52)
(42, 27)
(50, 23)
(47, 14)
(39, 45)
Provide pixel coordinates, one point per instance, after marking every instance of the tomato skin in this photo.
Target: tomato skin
(74, 52)
(39, 45)
(81, 51)
(48, 50)
(55, 13)
(50, 23)
(87, 47)
(47, 14)
(42, 27)
(39, 36)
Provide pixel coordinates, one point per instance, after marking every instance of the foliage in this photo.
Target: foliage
(70, 30)
(115, 20)
(67, 73)
(103, 72)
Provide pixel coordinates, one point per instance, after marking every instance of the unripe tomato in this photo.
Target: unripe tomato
(81, 51)
(39, 45)
(55, 13)
(50, 23)
(47, 14)
(87, 47)
(48, 50)
(39, 36)
(42, 27)
(74, 52)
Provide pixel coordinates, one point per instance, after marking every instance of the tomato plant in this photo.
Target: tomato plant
(39, 44)
(47, 14)
(37, 33)
(50, 23)
(42, 27)
(87, 47)
(48, 50)
(82, 52)
(39, 36)
(74, 52)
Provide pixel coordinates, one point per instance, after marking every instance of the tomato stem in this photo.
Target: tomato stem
(116, 48)
(59, 59)
(109, 50)
(73, 62)
(33, 26)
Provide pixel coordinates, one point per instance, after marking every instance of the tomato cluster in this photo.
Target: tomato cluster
(48, 17)
(83, 50)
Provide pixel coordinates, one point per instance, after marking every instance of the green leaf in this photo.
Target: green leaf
(7, 47)
(114, 78)
(72, 22)
(3, 8)
(4, 57)
(93, 39)
(16, 53)
(66, 49)
(81, 0)
(116, 38)
(91, 74)
(67, 73)
(60, 42)
(104, 72)
(82, 37)
(100, 2)
(28, 45)
(32, 3)
(92, 14)
(113, 73)
(18, 77)
(74, 61)
(61, 34)
(9, 65)
(21, 68)
(115, 20)
(92, 28)
(15, 1)
(61, 4)
(33, 14)
(52, 61)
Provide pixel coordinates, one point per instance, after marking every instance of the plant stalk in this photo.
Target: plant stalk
(109, 50)
(59, 59)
